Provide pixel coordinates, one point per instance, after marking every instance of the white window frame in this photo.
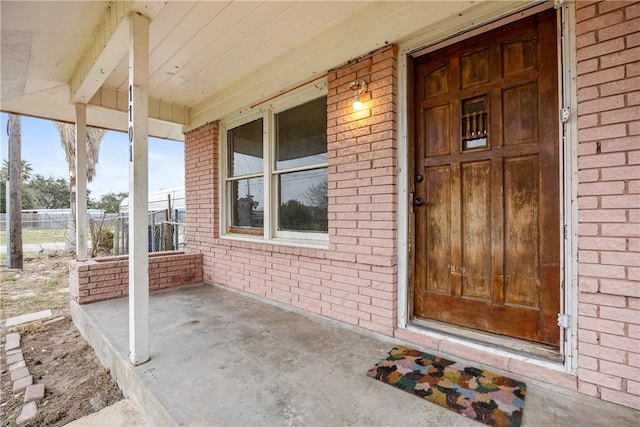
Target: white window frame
(267, 111)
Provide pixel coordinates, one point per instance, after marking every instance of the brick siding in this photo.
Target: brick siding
(201, 195)
(608, 42)
(355, 279)
(108, 278)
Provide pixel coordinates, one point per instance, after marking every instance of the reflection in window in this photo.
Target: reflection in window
(245, 149)
(248, 202)
(303, 201)
(301, 159)
(246, 183)
(301, 135)
(287, 179)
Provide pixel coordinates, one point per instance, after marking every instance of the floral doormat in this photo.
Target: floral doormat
(474, 393)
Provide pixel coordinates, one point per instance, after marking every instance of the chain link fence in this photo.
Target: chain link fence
(165, 231)
(45, 230)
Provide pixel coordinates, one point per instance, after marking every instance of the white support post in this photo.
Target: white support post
(138, 189)
(81, 182)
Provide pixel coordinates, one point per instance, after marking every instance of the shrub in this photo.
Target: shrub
(102, 241)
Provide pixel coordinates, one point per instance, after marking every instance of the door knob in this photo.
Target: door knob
(418, 201)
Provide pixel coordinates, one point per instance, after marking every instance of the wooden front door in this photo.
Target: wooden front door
(486, 192)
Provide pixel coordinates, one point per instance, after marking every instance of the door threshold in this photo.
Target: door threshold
(518, 346)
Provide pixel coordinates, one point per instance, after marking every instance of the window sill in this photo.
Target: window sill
(297, 243)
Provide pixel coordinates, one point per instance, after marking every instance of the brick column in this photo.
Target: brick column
(201, 192)
(362, 159)
(363, 180)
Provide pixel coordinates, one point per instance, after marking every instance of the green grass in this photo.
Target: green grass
(9, 277)
(30, 236)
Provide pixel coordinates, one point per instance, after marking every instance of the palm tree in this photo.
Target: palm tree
(67, 133)
(26, 171)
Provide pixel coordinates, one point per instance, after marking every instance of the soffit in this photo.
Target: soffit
(207, 56)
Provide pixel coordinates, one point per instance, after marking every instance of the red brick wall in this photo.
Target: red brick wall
(362, 160)
(355, 279)
(201, 195)
(608, 53)
(108, 278)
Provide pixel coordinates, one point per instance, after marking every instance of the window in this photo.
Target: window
(246, 175)
(474, 123)
(276, 171)
(301, 172)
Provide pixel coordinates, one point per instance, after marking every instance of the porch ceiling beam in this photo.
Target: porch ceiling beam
(109, 44)
(114, 99)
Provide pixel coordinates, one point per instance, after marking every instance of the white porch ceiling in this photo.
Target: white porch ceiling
(206, 58)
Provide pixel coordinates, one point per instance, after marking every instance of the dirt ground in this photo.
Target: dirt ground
(76, 384)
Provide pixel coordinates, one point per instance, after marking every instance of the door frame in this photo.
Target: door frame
(436, 39)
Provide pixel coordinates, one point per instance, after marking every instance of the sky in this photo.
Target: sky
(42, 149)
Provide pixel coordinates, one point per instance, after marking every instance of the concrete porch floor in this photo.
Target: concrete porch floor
(222, 358)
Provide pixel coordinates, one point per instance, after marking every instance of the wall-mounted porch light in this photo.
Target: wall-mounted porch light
(359, 87)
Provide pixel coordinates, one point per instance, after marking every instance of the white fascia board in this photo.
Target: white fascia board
(159, 109)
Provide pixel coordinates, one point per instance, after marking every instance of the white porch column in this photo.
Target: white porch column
(138, 189)
(81, 182)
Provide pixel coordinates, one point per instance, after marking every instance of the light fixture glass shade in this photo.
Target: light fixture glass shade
(358, 87)
(357, 104)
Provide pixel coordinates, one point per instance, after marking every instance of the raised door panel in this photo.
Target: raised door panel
(438, 124)
(436, 82)
(520, 114)
(522, 241)
(438, 238)
(476, 230)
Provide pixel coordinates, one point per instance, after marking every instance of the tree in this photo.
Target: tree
(318, 197)
(4, 177)
(295, 215)
(110, 202)
(29, 201)
(26, 171)
(317, 194)
(67, 133)
(49, 193)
